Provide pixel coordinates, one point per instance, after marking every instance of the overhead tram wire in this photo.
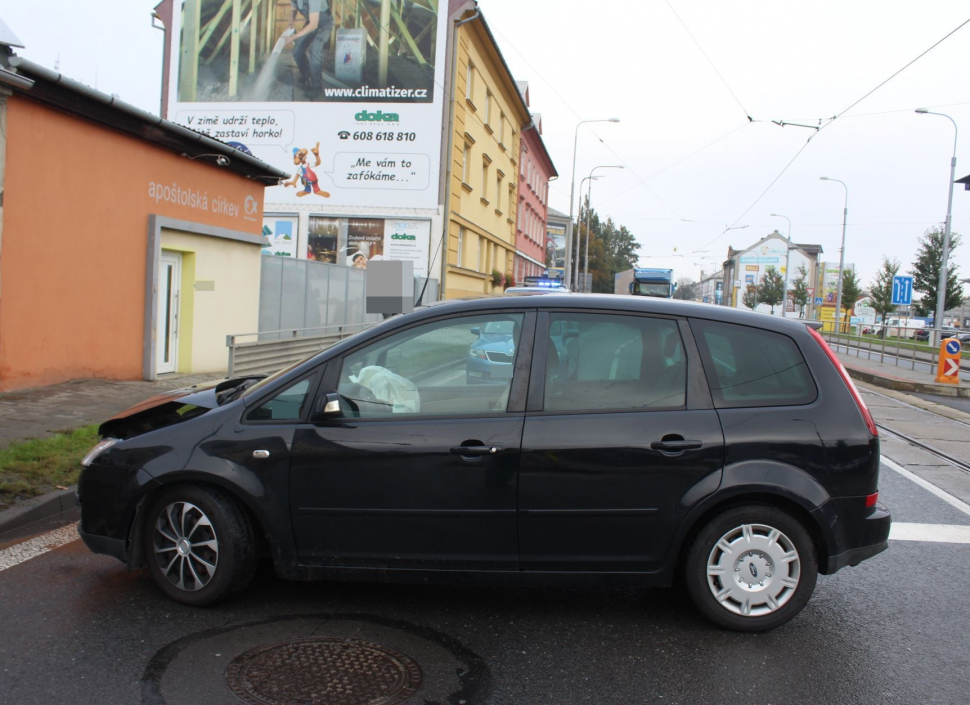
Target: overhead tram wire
(830, 121)
(719, 75)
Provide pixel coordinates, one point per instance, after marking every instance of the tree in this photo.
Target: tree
(686, 289)
(750, 296)
(881, 291)
(771, 291)
(926, 272)
(612, 249)
(799, 291)
(851, 291)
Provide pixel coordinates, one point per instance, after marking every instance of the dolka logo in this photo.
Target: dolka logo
(402, 236)
(379, 116)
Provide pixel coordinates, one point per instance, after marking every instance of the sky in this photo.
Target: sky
(684, 77)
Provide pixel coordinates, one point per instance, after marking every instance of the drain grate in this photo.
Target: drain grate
(324, 670)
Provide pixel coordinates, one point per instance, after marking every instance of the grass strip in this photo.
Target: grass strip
(40, 465)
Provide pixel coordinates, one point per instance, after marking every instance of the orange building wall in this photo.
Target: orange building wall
(72, 263)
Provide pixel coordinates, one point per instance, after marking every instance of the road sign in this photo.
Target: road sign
(902, 291)
(811, 292)
(948, 368)
(818, 300)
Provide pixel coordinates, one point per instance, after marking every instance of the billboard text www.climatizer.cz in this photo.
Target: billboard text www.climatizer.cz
(349, 105)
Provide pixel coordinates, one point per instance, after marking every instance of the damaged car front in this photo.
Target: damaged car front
(150, 439)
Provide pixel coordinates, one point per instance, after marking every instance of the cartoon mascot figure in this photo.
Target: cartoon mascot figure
(304, 174)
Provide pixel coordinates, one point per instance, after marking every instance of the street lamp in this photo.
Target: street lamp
(572, 197)
(941, 286)
(589, 210)
(787, 261)
(845, 217)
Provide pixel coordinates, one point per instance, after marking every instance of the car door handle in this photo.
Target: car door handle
(677, 446)
(475, 450)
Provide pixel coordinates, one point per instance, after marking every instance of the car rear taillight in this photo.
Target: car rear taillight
(863, 409)
(872, 499)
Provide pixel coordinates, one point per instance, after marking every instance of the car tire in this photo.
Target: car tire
(199, 545)
(751, 568)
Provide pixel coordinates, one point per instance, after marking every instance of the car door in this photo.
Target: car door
(420, 469)
(619, 434)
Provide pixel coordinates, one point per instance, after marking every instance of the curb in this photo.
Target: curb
(905, 385)
(41, 508)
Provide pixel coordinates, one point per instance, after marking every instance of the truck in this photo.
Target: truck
(645, 282)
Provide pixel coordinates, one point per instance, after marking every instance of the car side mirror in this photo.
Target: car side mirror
(476, 330)
(326, 407)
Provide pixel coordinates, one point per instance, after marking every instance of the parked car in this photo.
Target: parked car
(961, 335)
(634, 439)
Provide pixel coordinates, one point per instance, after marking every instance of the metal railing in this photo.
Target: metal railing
(891, 345)
(284, 347)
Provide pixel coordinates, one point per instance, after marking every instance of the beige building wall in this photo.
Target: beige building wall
(219, 296)
(489, 118)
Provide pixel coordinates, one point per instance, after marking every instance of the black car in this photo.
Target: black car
(961, 335)
(636, 440)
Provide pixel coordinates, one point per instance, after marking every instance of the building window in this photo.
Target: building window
(488, 109)
(498, 192)
(470, 82)
(501, 134)
(465, 155)
(461, 243)
(485, 181)
(511, 198)
(478, 264)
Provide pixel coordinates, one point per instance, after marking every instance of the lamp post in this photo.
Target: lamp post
(941, 286)
(589, 195)
(845, 217)
(572, 197)
(787, 263)
(591, 179)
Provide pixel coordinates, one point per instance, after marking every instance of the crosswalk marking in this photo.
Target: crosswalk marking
(24, 551)
(937, 533)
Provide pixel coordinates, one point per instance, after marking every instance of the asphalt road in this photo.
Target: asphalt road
(77, 628)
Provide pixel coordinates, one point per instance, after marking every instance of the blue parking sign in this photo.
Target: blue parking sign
(902, 291)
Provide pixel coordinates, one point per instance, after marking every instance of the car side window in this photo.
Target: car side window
(453, 367)
(601, 361)
(287, 405)
(753, 367)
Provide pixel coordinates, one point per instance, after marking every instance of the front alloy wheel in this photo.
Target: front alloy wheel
(199, 544)
(751, 568)
(186, 546)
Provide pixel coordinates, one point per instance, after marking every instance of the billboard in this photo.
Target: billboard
(830, 280)
(355, 242)
(346, 96)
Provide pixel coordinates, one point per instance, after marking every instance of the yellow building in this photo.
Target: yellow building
(486, 118)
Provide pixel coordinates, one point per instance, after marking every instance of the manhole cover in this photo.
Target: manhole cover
(324, 670)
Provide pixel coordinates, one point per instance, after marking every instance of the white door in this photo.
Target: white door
(167, 316)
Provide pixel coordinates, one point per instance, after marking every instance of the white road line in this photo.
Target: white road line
(928, 486)
(937, 533)
(18, 553)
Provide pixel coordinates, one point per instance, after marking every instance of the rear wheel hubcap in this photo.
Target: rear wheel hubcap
(186, 547)
(753, 570)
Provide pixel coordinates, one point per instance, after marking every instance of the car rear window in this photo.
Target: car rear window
(752, 367)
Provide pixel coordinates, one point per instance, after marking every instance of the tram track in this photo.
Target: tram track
(906, 438)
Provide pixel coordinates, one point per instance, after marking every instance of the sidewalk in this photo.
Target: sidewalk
(901, 379)
(43, 411)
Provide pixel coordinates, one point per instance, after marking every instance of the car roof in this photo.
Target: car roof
(615, 302)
